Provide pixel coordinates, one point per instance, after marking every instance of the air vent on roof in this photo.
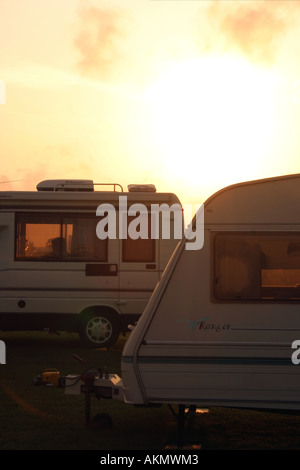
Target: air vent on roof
(66, 185)
(142, 188)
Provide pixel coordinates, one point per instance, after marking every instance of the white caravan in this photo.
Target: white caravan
(219, 329)
(56, 273)
(221, 326)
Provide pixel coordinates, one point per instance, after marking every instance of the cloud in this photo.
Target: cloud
(99, 40)
(255, 29)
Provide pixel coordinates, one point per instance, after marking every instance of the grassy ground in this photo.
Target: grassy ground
(44, 418)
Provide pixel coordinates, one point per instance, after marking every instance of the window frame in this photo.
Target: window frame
(61, 216)
(214, 270)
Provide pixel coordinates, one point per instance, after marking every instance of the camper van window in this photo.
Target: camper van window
(256, 266)
(62, 238)
(140, 249)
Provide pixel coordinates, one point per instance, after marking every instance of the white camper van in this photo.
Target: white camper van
(221, 326)
(57, 273)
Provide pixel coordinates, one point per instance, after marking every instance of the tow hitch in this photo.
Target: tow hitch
(93, 382)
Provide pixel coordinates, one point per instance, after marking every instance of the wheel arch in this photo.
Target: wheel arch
(96, 309)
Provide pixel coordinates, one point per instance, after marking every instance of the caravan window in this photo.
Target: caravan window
(257, 266)
(56, 237)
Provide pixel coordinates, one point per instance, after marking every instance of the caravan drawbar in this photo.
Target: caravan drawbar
(220, 326)
(57, 274)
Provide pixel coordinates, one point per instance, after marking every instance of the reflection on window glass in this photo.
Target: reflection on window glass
(58, 238)
(257, 267)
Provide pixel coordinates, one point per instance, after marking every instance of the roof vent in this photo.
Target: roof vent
(149, 188)
(66, 185)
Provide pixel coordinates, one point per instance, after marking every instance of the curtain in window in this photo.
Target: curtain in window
(237, 268)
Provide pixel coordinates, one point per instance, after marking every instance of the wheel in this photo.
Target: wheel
(99, 330)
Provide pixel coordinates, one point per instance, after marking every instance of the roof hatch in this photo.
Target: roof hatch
(66, 185)
(149, 188)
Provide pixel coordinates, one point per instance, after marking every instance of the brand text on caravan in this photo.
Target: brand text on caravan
(137, 221)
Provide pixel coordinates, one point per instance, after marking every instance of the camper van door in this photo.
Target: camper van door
(139, 264)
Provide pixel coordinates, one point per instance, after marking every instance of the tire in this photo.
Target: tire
(99, 330)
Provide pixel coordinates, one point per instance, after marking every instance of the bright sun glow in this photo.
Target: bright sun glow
(213, 119)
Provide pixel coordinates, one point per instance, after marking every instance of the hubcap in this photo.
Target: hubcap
(99, 329)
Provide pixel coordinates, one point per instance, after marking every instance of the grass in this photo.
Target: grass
(44, 418)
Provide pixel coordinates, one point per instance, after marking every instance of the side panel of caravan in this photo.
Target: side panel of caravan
(219, 328)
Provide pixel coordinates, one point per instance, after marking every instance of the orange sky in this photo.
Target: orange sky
(188, 95)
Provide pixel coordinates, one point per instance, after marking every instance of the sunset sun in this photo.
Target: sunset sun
(213, 117)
